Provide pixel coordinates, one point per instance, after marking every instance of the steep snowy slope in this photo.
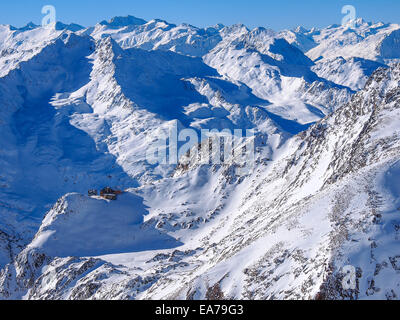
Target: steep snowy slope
(352, 73)
(18, 45)
(300, 38)
(330, 202)
(329, 199)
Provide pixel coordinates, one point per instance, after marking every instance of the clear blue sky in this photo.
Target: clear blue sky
(276, 14)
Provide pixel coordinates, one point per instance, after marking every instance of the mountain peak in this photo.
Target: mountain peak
(123, 21)
(71, 27)
(28, 26)
(360, 21)
(300, 29)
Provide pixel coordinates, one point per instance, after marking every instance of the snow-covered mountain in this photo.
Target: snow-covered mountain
(345, 54)
(81, 106)
(371, 41)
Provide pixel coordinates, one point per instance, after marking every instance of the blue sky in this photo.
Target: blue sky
(276, 14)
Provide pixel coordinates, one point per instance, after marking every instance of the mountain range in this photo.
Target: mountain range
(79, 108)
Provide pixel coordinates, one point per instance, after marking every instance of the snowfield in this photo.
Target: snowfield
(80, 107)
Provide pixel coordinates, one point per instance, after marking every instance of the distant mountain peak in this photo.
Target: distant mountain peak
(59, 26)
(72, 26)
(300, 29)
(123, 21)
(361, 21)
(28, 26)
